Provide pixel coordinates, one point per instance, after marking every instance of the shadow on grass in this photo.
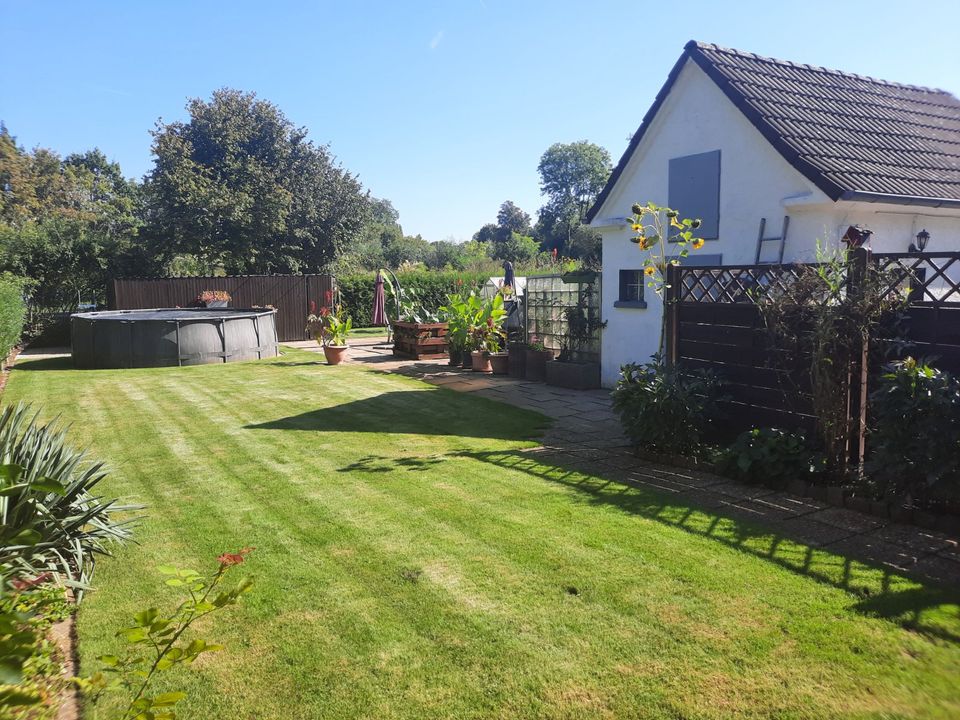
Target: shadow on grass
(429, 411)
(64, 362)
(929, 609)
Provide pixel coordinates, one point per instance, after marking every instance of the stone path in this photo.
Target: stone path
(586, 437)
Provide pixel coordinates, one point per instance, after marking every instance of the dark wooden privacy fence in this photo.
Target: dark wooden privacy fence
(713, 322)
(291, 295)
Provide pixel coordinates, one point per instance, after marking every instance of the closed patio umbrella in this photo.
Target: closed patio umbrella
(379, 316)
(508, 276)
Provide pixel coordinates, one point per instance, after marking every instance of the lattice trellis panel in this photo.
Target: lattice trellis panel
(734, 283)
(924, 278)
(547, 299)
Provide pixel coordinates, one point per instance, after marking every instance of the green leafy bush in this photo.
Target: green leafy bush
(665, 407)
(914, 446)
(12, 313)
(769, 456)
(50, 517)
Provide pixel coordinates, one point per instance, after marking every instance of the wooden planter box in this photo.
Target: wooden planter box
(573, 375)
(419, 340)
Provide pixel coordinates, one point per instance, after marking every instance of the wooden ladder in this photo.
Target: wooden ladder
(781, 238)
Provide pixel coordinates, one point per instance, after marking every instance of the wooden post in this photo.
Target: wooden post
(857, 408)
(671, 314)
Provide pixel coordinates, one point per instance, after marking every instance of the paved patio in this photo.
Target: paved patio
(586, 439)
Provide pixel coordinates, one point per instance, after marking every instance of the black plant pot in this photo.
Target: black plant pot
(573, 375)
(456, 357)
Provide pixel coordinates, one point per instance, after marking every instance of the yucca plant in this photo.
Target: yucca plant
(50, 518)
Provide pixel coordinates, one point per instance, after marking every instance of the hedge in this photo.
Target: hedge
(12, 314)
(431, 287)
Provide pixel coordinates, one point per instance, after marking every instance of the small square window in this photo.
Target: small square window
(631, 289)
(631, 285)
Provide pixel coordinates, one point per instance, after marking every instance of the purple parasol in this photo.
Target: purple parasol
(379, 316)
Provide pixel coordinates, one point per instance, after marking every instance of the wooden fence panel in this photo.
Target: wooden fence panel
(717, 325)
(291, 295)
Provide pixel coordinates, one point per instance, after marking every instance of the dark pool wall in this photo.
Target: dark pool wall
(181, 336)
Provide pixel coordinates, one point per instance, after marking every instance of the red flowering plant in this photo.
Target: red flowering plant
(155, 641)
(329, 327)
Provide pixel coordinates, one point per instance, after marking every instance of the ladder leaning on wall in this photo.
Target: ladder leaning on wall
(781, 238)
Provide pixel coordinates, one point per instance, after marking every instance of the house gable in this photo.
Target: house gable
(854, 138)
(693, 118)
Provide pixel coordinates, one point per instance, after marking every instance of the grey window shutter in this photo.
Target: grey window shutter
(694, 190)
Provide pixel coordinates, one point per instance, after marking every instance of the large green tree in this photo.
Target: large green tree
(238, 187)
(67, 224)
(571, 177)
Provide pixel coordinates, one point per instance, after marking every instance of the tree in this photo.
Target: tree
(68, 224)
(571, 176)
(405, 249)
(511, 219)
(238, 186)
(517, 249)
(488, 233)
(445, 254)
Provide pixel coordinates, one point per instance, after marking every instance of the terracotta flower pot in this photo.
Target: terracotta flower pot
(335, 353)
(500, 363)
(481, 361)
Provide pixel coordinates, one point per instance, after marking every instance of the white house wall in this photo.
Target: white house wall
(755, 182)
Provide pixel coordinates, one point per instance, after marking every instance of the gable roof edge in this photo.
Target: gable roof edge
(638, 135)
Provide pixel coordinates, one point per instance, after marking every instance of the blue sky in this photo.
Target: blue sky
(444, 107)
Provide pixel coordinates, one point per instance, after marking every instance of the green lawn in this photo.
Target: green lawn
(413, 562)
(368, 332)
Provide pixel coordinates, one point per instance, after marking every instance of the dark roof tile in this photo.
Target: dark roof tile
(847, 133)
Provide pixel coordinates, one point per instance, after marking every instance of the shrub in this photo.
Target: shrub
(915, 439)
(665, 407)
(31, 677)
(50, 518)
(430, 288)
(12, 313)
(770, 456)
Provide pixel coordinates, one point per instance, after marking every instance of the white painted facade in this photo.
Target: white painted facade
(755, 182)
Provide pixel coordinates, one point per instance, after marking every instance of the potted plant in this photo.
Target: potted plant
(331, 329)
(213, 299)
(575, 367)
(487, 332)
(457, 315)
(537, 355)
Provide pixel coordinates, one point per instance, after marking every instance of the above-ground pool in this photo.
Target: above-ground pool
(181, 336)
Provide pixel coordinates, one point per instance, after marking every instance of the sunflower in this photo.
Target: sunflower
(697, 243)
(649, 270)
